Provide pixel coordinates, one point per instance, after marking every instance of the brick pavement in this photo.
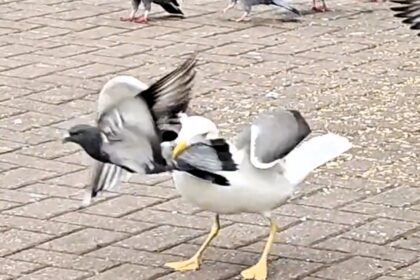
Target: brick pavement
(354, 71)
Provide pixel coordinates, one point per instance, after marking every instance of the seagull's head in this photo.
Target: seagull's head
(194, 129)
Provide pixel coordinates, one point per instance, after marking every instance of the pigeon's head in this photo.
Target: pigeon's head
(84, 135)
(194, 129)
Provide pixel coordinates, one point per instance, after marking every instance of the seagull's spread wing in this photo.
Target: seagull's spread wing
(205, 159)
(312, 154)
(410, 11)
(272, 136)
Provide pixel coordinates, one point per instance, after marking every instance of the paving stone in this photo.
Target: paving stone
(121, 205)
(321, 214)
(35, 225)
(237, 235)
(297, 252)
(31, 162)
(349, 71)
(369, 250)
(38, 257)
(129, 271)
(159, 238)
(380, 231)
(185, 251)
(27, 121)
(22, 176)
(20, 239)
(83, 241)
(309, 232)
(207, 272)
(108, 223)
(356, 268)
(408, 272)
(12, 267)
(398, 197)
(46, 208)
(120, 254)
(51, 272)
(174, 219)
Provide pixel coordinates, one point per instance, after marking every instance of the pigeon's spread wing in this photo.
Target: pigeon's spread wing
(409, 10)
(117, 89)
(131, 137)
(134, 125)
(171, 94)
(108, 176)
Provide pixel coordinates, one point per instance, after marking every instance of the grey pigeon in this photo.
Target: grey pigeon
(130, 130)
(410, 11)
(171, 6)
(247, 6)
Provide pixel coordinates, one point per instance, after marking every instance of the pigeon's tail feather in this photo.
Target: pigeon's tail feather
(287, 6)
(172, 7)
(312, 154)
(105, 177)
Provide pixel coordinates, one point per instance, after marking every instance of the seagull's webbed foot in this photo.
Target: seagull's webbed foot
(188, 265)
(256, 272)
(259, 271)
(195, 261)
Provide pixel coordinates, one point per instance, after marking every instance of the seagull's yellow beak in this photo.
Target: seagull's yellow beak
(179, 148)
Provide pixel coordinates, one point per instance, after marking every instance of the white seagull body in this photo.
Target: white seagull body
(255, 175)
(257, 187)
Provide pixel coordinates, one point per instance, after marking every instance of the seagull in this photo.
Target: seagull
(171, 6)
(410, 11)
(132, 121)
(247, 6)
(255, 174)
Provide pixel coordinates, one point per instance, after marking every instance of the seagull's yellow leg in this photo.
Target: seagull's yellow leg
(259, 270)
(195, 261)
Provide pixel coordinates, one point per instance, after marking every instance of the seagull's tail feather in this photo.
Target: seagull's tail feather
(287, 6)
(312, 154)
(105, 177)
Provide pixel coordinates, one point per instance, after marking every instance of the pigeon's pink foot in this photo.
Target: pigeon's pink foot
(126, 18)
(141, 20)
(320, 9)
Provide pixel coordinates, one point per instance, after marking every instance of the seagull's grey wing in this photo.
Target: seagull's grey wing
(275, 135)
(213, 155)
(410, 11)
(206, 160)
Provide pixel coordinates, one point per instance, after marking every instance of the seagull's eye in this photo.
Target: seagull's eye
(205, 134)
